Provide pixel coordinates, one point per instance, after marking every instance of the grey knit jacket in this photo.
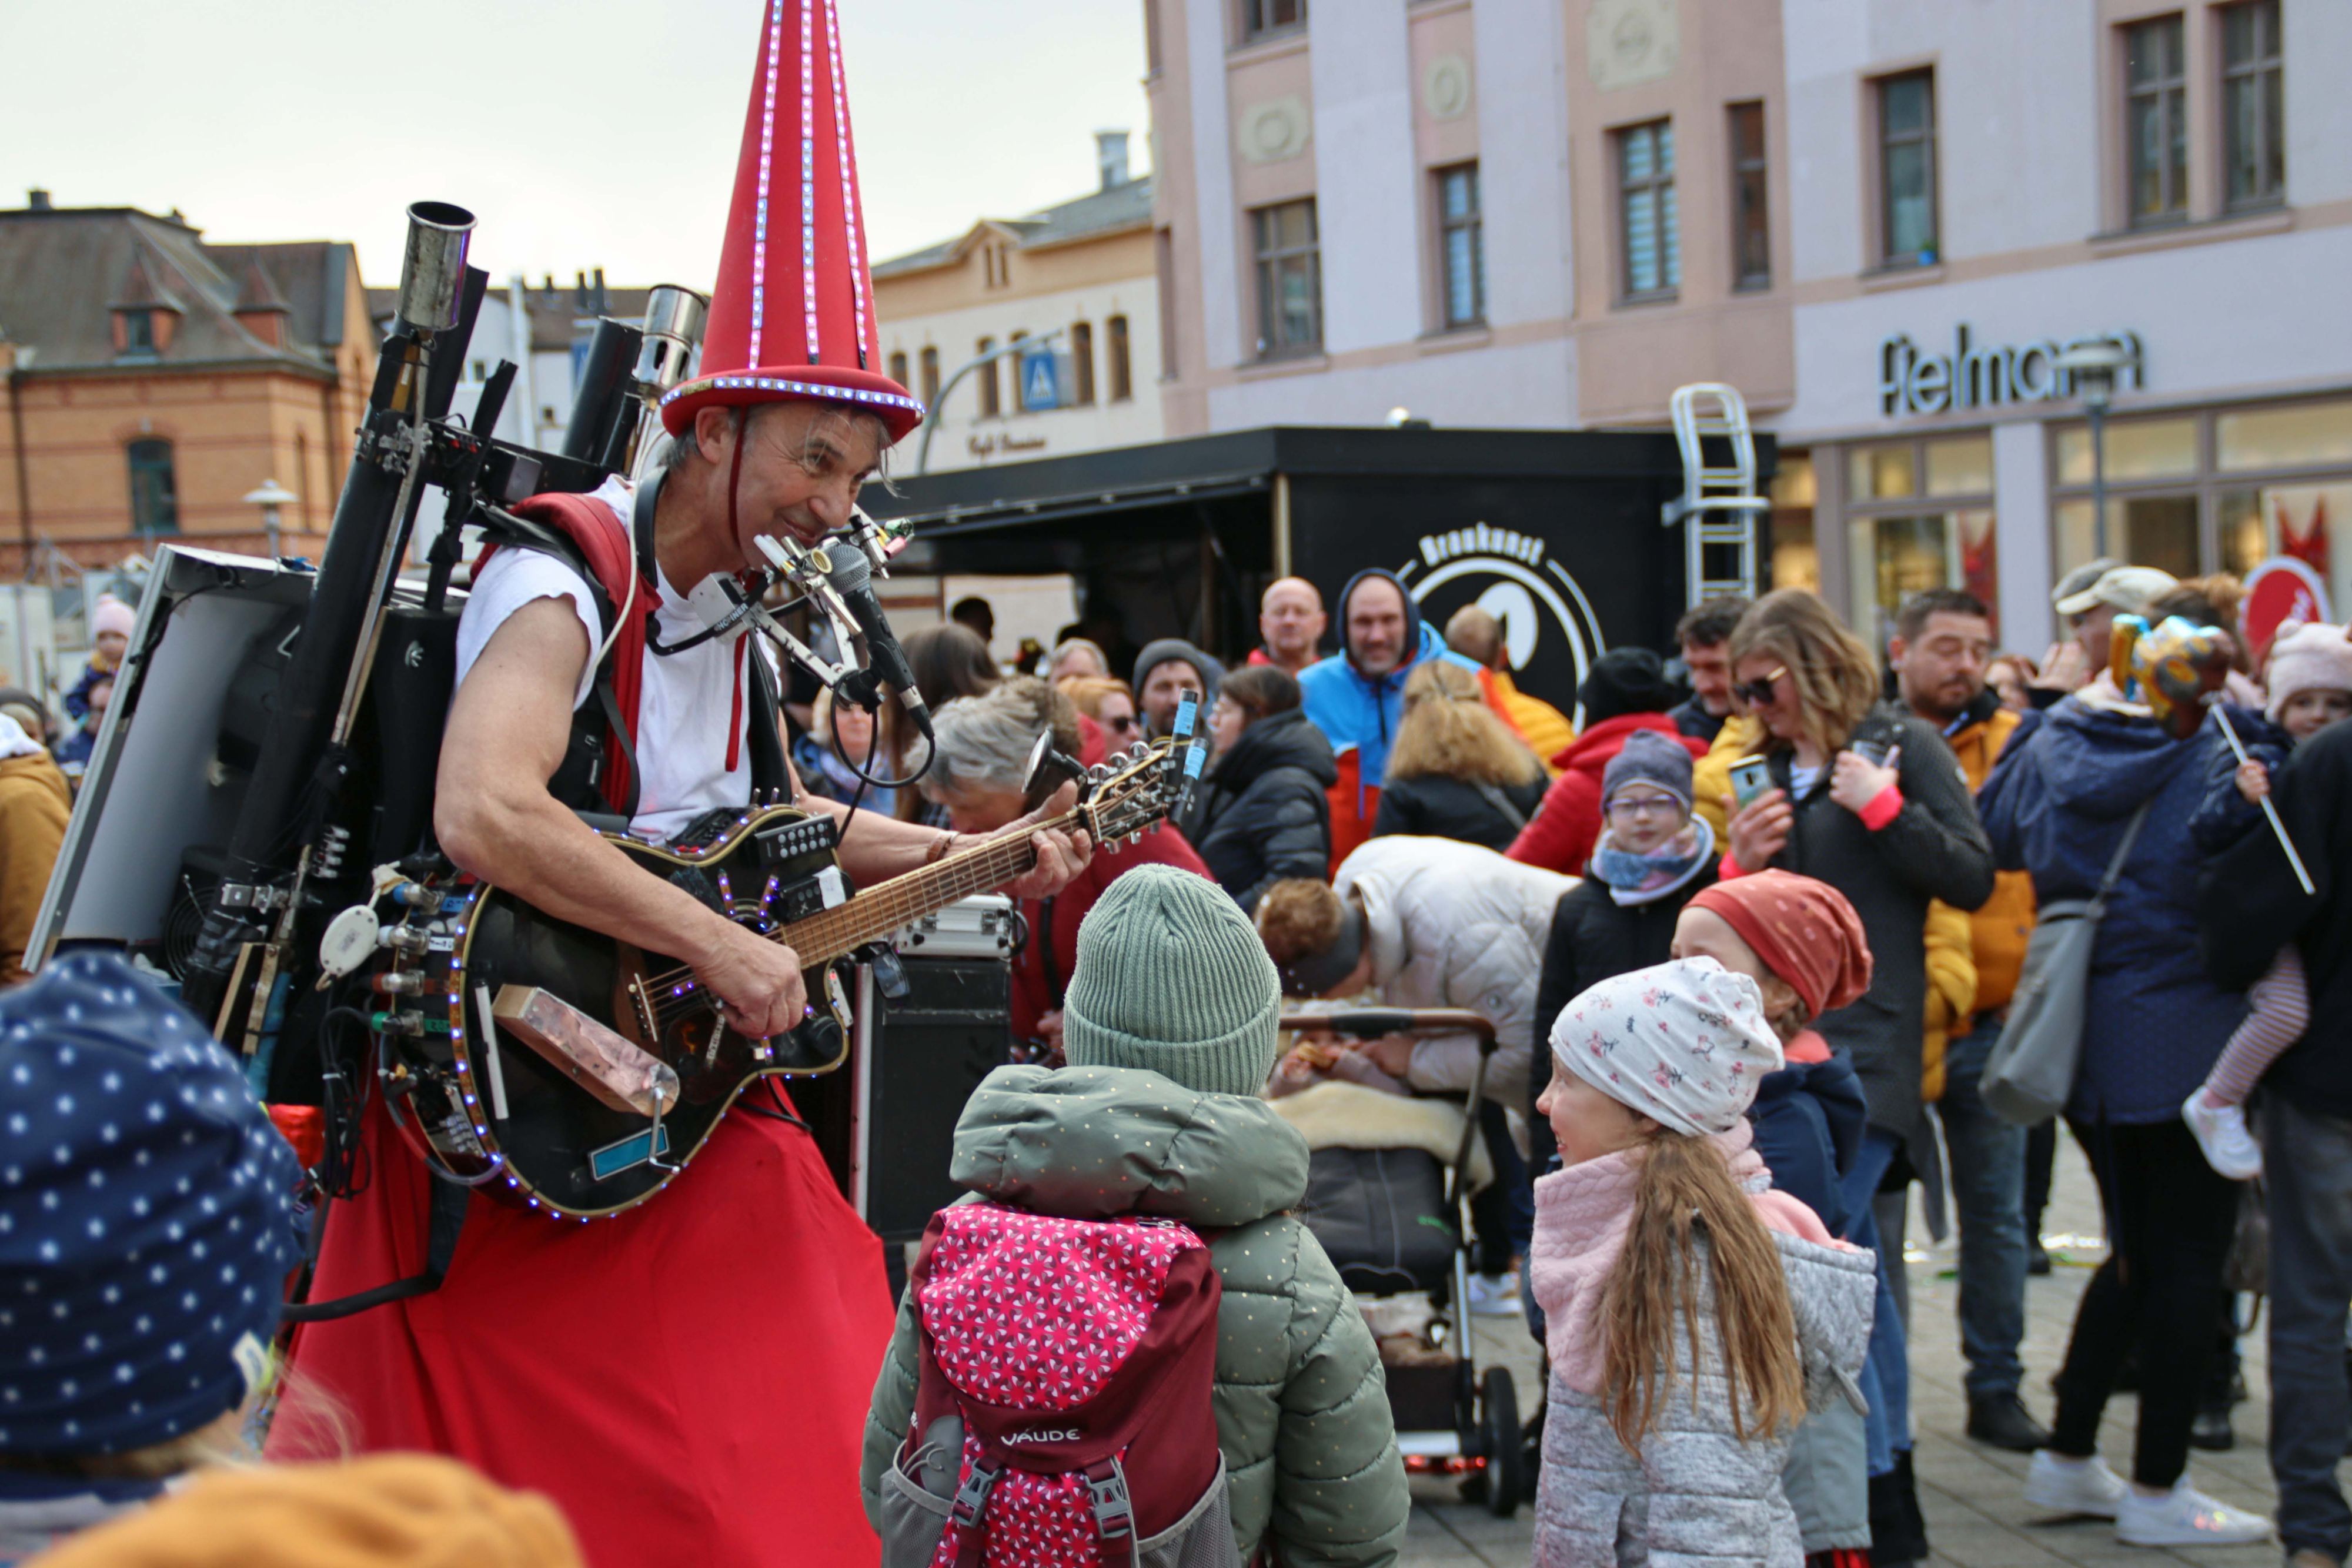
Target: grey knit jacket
(1697, 1496)
(1302, 1408)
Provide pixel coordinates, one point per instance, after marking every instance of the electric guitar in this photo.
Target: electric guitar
(557, 1068)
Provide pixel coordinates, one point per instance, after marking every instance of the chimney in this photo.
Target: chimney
(37, 200)
(1110, 158)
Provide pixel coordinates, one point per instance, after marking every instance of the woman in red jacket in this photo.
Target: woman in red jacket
(1625, 690)
(979, 775)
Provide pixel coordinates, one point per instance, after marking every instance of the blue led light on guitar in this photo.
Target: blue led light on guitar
(1193, 760)
(1188, 709)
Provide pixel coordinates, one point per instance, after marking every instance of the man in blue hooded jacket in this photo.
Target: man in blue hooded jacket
(1355, 697)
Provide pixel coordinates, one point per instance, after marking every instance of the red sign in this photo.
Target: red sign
(2281, 588)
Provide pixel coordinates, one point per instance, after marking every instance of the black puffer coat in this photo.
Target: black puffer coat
(1440, 806)
(1264, 813)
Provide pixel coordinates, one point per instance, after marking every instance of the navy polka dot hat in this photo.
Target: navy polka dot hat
(146, 1224)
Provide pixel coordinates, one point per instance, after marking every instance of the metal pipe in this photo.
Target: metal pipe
(432, 266)
(675, 318)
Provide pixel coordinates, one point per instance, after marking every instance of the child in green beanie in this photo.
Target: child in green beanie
(1169, 1027)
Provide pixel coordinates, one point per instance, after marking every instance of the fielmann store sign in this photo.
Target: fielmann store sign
(1912, 381)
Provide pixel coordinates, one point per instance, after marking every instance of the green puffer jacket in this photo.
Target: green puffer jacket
(1302, 1408)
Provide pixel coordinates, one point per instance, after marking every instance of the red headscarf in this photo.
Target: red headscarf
(1804, 930)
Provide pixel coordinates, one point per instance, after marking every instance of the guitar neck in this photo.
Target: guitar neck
(884, 908)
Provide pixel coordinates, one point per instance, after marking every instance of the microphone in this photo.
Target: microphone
(851, 573)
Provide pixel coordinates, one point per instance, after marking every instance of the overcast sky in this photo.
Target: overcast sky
(581, 132)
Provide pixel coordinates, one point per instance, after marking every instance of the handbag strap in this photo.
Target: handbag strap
(2115, 866)
(1501, 802)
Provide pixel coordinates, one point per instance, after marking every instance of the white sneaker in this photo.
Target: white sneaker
(2073, 1486)
(2186, 1517)
(2221, 1133)
(1497, 1298)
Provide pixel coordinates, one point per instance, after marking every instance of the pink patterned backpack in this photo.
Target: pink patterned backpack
(1061, 1410)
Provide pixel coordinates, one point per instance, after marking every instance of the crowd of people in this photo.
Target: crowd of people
(1747, 916)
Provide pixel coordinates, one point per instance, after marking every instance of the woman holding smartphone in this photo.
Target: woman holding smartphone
(1866, 797)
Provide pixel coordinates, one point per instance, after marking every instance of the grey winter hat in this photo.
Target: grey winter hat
(1171, 978)
(1648, 758)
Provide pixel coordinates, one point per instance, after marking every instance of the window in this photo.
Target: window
(1462, 246)
(986, 376)
(138, 331)
(1260, 17)
(1751, 229)
(1289, 279)
(154, 493)
(1164, 273)
(1122, 365)
(2254, 105)
(1646, 192)
(1907, 170)
(930, 378)
(1014, 372)
(899, 367)
(2156, 123)
(1082, 363)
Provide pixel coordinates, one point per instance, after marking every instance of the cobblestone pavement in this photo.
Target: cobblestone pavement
(1976, 1516)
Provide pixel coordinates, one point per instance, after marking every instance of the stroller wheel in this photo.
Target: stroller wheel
(1499, 1424)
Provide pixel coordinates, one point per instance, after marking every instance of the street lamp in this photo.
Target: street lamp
(269, 498)
(931, 415)
(2094, 366)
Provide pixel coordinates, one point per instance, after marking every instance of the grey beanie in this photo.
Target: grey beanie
(1648, 758)
(1171, 978)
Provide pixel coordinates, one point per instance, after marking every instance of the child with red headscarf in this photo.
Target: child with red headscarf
(1803, 944)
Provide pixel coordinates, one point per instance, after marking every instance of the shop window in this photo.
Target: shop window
(1460, 245)
(2297, 436)
(1122, 360)
(2146, 530)
(1751, 228)
(1082, 363)
(1289, 279)
(155, 488)
(1907, 170)
(1796, 557)
(985, 375)
(2137, 449)
(2156, 121)
(1881, 472)
(1960, 466)
(930, 378)
(2253, 106)
(1649, 226)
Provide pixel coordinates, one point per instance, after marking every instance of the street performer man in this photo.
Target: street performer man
(685, 1379)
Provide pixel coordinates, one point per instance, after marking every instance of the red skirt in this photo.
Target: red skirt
(688, 1381)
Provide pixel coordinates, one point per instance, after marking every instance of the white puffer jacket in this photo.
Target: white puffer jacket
(1451, 924)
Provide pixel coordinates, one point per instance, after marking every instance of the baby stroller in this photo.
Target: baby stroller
(1396, 1220)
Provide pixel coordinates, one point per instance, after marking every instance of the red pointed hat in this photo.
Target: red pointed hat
(793, 314)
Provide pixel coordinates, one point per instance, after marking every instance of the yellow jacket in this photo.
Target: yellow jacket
(1711, 777)
(34, 806)
(1544, 727)
(1951, 989)
(2001, 928)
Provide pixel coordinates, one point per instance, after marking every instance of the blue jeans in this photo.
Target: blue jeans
(1886, 1373)
(2307, 1164)
(1988, 1167)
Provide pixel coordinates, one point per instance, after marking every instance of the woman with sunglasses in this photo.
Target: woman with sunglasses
(1868, 799)
(1264, 813)
(1110, 703)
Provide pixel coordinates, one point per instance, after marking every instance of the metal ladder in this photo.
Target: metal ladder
(1719, 505)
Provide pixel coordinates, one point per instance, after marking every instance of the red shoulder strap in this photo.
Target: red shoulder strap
(602, 540)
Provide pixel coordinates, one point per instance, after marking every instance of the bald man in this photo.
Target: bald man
(1290, 618)
(1475, 635)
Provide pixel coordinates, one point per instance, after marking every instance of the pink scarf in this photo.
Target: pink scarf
(1582, 1214)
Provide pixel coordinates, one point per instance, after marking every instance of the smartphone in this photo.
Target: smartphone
(1750, 777)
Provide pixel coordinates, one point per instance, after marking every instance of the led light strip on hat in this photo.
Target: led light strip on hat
(853, 220)
(767, 156)
(808, 185)
(793, 389)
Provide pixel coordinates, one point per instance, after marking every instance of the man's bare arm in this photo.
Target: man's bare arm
(506, 736)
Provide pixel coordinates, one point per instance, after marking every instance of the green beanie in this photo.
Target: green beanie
(1171, 976)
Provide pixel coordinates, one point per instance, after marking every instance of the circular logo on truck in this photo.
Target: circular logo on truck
(1550, 635)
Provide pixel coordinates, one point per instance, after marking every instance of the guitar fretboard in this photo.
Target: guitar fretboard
(883, 908)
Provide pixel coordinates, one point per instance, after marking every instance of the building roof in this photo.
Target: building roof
(557, 311)
(64, 270)
(1119, 207)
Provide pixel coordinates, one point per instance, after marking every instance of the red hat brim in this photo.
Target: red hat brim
(866, 390)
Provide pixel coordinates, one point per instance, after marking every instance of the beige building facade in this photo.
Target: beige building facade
(1084, 272)
(1882, 221)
